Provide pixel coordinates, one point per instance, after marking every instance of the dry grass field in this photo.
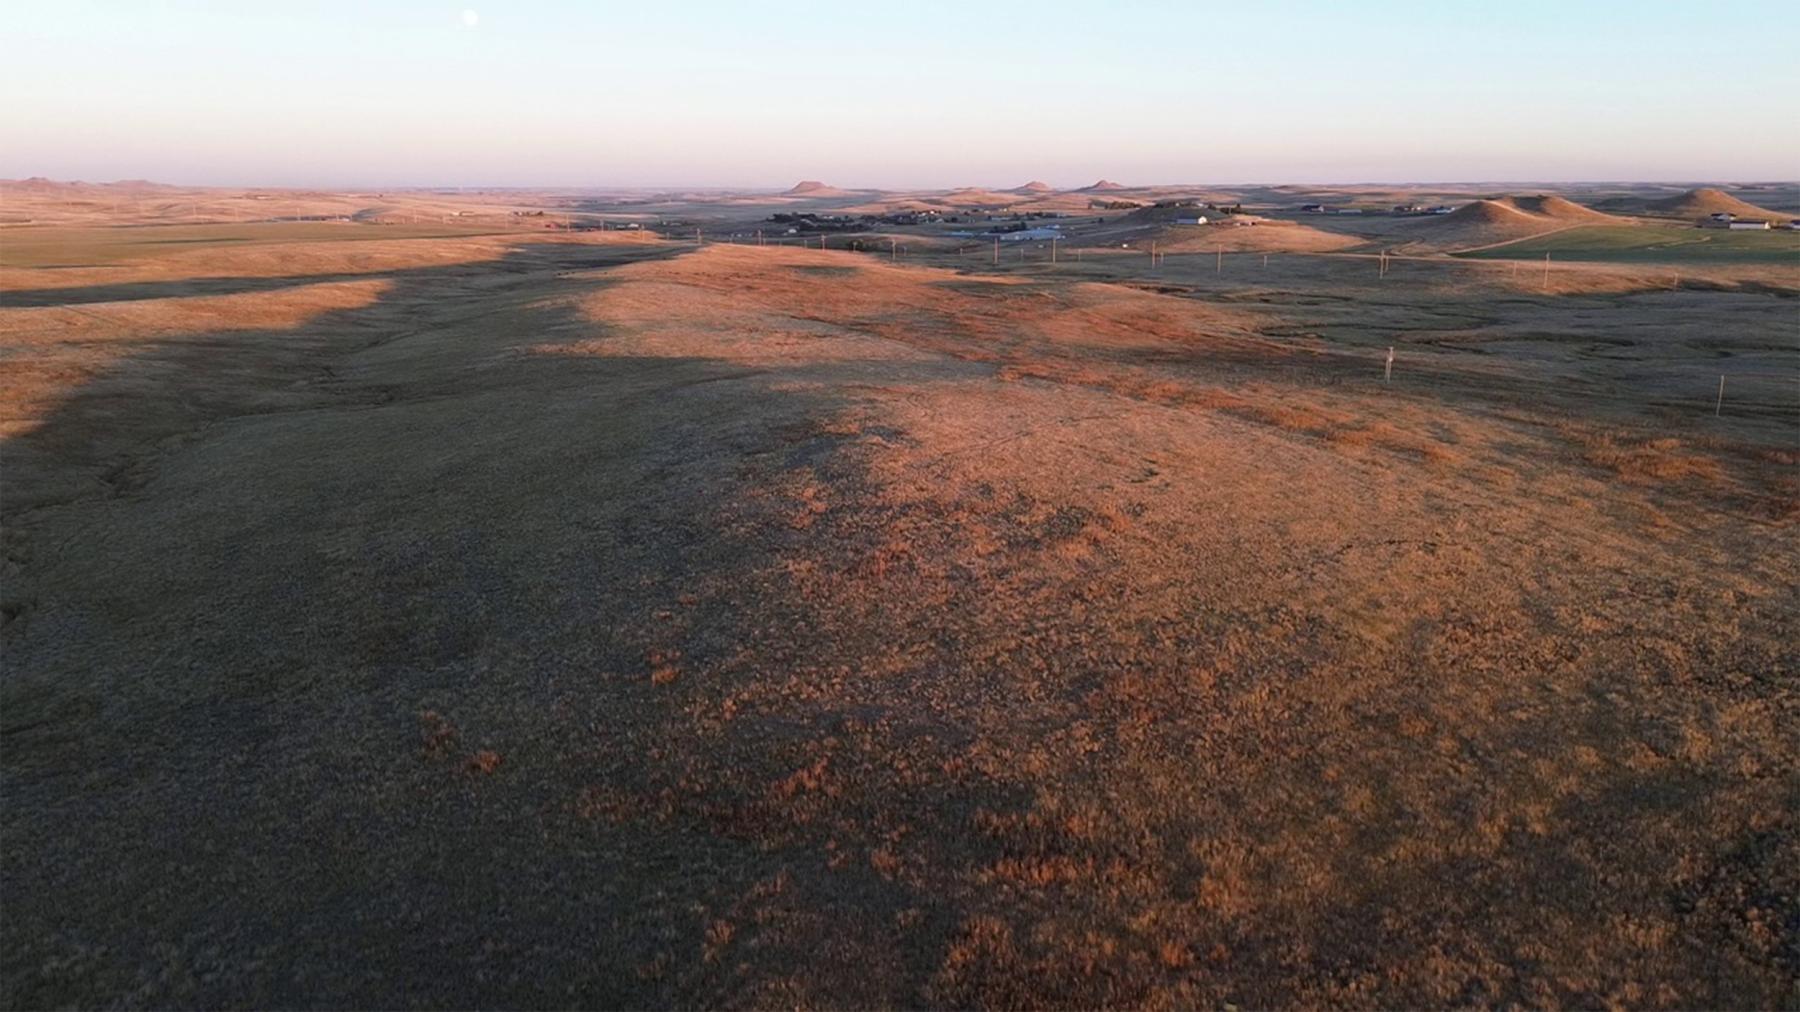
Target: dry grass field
(405, 616)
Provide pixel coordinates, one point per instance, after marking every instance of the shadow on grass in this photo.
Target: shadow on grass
(451, 660)
(222, 786)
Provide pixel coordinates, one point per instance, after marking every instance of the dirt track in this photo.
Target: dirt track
(630, 625)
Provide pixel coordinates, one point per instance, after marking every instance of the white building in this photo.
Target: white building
(1191, 219)
(1748, 224)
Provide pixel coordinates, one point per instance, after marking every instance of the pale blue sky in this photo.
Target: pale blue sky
(908, 94)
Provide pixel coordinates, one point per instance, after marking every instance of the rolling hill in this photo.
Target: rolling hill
(1699, 203)
(811, 188)
(1501, 219)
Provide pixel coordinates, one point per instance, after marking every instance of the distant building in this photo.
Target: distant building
(1793, 225)
(1348, 210)
(1028, 234)
(1722, 216)
(1407, 209)
(1313, 208)
(1748, 225)
(1439, 209)
(1191, 219)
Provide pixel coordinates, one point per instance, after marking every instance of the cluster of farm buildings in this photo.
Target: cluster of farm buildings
(1398, 209)
(1725, 219)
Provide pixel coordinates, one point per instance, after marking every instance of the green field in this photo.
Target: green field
(83, 246)
(1652, 244)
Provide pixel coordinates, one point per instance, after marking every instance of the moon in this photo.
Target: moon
(470, 19)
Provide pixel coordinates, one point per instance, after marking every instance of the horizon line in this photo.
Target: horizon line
(780, 189)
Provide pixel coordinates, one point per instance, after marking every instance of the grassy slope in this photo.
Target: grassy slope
(56, 246)
(1653, 244)
(637, 626)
